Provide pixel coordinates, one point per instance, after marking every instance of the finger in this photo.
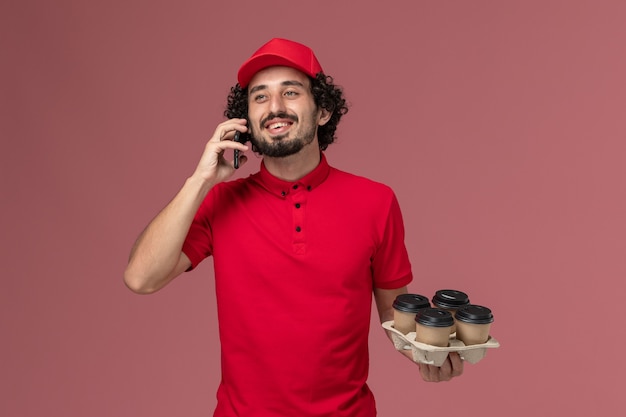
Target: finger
(226, 130)
(423, 372)
(219, 148)
(429, 373)
(228, 135)
(445, 370)
(457, 364)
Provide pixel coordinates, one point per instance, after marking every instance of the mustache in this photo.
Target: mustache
(280, 115)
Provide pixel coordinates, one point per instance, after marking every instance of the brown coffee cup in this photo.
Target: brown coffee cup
(450, 300)
(473, 323)
(405, 306)
(432, 326)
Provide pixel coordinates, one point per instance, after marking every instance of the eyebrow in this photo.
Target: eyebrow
(284, 83)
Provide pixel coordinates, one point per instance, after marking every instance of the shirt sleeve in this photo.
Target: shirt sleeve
(199, 241)
(391, 267)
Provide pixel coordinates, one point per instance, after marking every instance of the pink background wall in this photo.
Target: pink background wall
(500, 124)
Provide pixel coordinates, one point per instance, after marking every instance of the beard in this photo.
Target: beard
(280, 146)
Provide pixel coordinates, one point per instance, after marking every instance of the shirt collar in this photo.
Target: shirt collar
(282, 188)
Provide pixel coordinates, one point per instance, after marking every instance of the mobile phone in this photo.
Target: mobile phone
(241, 138)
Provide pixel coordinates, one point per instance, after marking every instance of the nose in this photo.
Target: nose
(276, 103)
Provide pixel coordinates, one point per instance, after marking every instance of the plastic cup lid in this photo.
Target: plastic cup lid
(475, 314)
(434, 317)
(451, 299)
(410, 303)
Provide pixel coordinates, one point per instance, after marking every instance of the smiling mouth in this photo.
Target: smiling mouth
(278, 128)
(278, 125)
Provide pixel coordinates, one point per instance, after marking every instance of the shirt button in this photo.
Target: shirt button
(308, 188)
(297, 205)
(298, 229)
(295, 187)
(283, 193)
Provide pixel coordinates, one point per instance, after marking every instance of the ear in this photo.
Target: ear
(323, 117)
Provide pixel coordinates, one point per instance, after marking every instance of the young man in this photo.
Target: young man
(299, 248)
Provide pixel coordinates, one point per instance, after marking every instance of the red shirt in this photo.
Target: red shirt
(295, 266)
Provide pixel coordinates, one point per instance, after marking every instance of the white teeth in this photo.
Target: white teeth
(277, 125)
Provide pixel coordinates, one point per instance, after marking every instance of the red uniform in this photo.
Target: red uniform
(295, 266)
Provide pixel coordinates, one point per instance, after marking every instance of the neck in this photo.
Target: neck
(294, 167)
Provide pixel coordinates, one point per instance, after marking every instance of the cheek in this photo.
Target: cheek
(252, 130)
(253, 118)
(257, 112)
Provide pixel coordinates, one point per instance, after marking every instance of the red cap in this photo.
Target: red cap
(281, 52)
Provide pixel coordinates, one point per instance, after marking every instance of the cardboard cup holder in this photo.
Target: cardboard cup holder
(436, 355)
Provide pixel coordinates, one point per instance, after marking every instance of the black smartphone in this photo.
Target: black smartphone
(241, 138)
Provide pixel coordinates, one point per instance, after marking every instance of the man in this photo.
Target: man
(299, 247)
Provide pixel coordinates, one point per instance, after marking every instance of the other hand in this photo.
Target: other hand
(452, 367)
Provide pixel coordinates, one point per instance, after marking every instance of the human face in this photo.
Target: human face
(282, 112)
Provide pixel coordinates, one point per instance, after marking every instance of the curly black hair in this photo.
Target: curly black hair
(326, 95)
